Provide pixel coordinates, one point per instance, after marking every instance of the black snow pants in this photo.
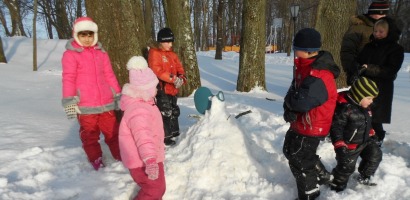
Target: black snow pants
(167, 105)
(371, 155)
(305, 165)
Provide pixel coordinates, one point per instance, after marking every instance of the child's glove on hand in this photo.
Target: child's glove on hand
(178, 82)
(72, 110)
(151, 168)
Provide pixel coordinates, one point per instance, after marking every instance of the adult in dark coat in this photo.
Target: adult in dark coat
(381, 59)
(358, 34)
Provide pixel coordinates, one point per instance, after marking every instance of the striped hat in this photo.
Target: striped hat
(363, 87)
(378, 7)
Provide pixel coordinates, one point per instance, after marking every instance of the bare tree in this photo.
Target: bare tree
(4, 22)
(121, 31)
(16, 20)
(332, 30)
(252, 53)
(219, 32)
(35, 36)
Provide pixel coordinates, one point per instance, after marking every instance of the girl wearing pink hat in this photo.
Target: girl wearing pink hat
(90, 90)
(141, 131)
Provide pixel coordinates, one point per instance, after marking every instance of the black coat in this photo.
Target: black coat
(384, 59)
(351, 123)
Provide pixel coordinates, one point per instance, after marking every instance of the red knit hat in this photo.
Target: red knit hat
(85, 24)
(378, 8)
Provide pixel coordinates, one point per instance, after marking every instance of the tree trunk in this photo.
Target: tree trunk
(197, 21)
(3, 58)
(252, 53)
(121, 31)
(332, 22)
(180, 24)
(205, 27)
(4, 23)
(149, 21)
(63, 25)
(219, 33)
(16, 22)
(35, 36)
(79, 10)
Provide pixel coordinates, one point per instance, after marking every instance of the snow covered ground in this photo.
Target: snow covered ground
(216, 157)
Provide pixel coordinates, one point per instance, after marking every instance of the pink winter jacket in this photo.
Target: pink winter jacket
(88, 79)
(141, 132)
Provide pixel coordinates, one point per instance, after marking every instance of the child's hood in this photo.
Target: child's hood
(325, 61)
(73, 46)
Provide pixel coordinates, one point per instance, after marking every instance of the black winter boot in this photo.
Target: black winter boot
(311, 196)
(169, 142)
(324, 177)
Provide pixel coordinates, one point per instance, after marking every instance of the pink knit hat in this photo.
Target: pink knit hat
(143, 81)
(85, 24)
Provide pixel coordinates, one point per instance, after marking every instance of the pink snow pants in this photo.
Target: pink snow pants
(91, 126)
(150, 189)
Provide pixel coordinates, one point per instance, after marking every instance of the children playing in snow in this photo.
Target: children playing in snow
(352, 134)
(141, 131)
(90, 90)
(309, 107)
(168, 68)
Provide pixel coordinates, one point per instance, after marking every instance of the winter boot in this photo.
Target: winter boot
(97, 164)
(336, 187)
(169, 142)
(310, 196)
(365, 180)
(175, 134)
(324, 177)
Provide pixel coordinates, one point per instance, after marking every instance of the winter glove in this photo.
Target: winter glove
(343, 156)
(178, 82)
(151, 168)
(72, 110)
(289, 116)
(362, 70)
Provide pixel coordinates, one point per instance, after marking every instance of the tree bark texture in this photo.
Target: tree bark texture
(121, 30)
(35, 36)
(332, 22)
(3, 58)
(219, 32)
(179, 21)
(16, 21)
(252, 53)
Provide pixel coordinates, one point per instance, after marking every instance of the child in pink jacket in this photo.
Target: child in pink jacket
(90, 89)
(141, 131)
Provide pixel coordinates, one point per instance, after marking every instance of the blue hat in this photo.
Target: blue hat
(307, 39)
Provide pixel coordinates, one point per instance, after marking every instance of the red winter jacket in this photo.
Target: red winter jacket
(166, 65)
(315, 94)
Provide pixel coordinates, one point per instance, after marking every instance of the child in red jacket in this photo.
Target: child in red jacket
(309, 106)
(168, 68)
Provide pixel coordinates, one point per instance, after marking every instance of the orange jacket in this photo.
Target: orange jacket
(166, 65)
